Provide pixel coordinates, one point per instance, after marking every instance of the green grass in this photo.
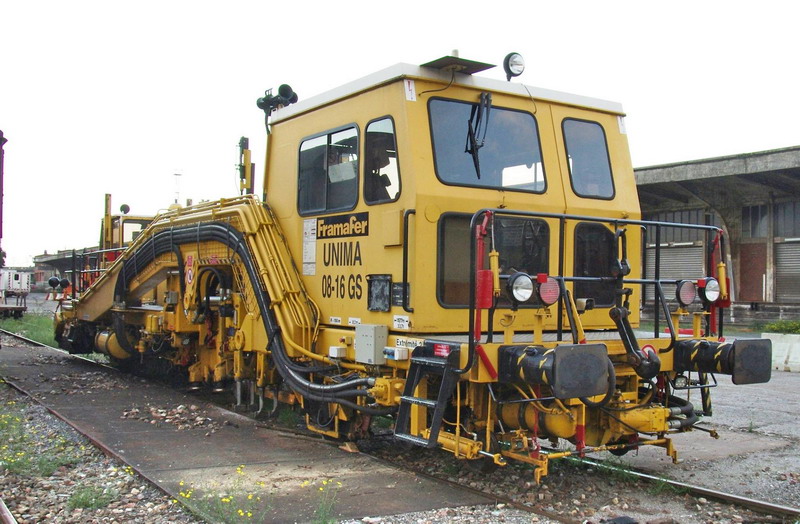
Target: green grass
(327, 494)
(382, 422)
(35, 326)
(451, 468)
(288, 417)
(24, 451)
(791, 327)
(239, 501)
(618, 470)
(662, 486)
(91, 497)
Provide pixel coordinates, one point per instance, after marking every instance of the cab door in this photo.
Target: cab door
(598, 181)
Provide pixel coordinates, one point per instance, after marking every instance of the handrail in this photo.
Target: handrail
(656, 282)
(406, 215)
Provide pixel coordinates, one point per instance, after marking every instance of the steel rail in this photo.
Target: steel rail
(73, 355)
(99, 445)
(693, 489)
(290, 432)
(5, 515)
(20, 337)
(729, 498)
(497, 497)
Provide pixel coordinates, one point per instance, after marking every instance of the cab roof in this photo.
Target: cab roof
(403, 71)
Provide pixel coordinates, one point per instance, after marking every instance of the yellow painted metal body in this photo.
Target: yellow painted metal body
(381, 250)
(200, 303)
(107, 343)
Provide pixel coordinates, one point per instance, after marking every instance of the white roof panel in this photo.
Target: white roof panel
(399, 71)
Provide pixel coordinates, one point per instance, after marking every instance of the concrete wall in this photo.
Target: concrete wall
(785, 351)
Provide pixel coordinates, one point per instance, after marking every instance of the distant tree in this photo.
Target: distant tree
(2, 258)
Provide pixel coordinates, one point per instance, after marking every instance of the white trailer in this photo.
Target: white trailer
(14, 284)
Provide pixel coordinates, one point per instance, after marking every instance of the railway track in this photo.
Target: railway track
(776, 512)
(167, 456)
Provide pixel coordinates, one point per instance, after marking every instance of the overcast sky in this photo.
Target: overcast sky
(117, 97)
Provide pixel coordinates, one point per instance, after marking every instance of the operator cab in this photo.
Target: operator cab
(476, 144)
(390, 169)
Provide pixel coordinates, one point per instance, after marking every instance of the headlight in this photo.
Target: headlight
(686, 292)
(548, 290)
(709, 289)
(513, 65)
(520, 286)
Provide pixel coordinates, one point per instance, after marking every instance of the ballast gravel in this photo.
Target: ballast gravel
(571, 493)
(33, 499)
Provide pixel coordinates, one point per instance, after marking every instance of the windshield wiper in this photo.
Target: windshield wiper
(476, 129)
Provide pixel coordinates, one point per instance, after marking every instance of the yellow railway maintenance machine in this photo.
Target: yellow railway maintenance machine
(464, 255)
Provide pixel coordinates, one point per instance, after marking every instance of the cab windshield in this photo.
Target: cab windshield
(505, 154)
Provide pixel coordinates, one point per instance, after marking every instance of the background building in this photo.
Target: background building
(755, 197)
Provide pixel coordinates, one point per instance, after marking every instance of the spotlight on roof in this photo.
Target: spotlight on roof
(514, 65)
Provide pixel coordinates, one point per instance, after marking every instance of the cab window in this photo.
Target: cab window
(595, 255)
(131, 229)
(587, 157)
(522, 243)
(507, 154)
(328, 177)
(381, 171)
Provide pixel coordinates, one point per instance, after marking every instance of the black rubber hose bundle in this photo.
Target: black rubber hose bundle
(687, 409)
(166, 240)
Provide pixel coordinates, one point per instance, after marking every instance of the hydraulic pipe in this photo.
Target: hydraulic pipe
(224, 233)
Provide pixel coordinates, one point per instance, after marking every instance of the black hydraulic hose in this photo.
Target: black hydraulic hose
(685, 408)
(181, 274)
(222, 278)
(646, 364)
(300, 368)
(294, 382)
(612, 387)
(163, 241)
(570, 315)
(282, 359)
(690, 420)
(122, 335)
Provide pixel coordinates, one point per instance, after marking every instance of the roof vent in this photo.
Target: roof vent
(454, 64)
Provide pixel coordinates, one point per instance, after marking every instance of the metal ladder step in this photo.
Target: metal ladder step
(430, 361)
(425, 363)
